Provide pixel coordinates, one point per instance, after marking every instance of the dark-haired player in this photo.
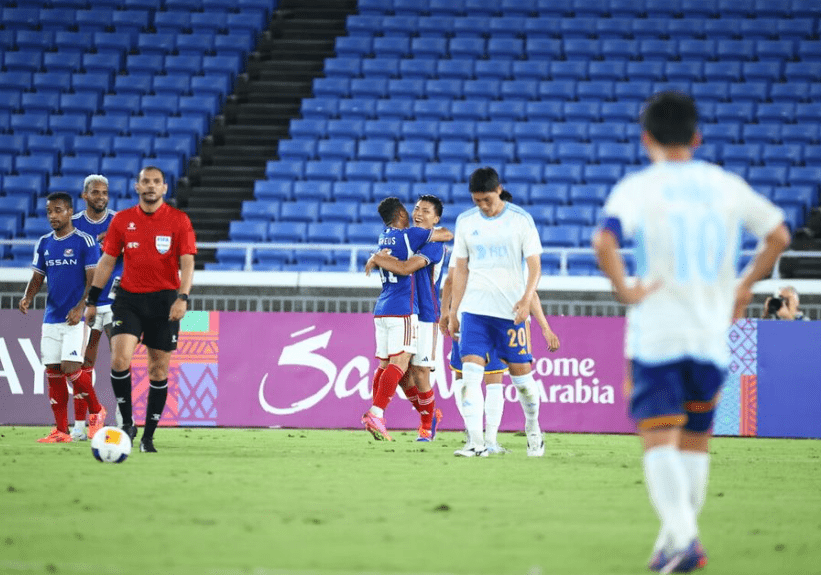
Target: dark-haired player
(426, 267)
(494, 242)
(66, 258)
(685, 216)
(396, 310)
(158, 246)
(94, 221)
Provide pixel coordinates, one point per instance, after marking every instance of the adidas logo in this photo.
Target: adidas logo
(475, 233)
(73, 353)
(425, 359)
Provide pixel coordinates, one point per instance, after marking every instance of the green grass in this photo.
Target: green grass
(267, 502)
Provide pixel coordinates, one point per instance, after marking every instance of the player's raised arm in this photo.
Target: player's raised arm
(774, 243)
(32, 289)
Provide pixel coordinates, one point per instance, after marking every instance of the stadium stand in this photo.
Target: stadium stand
(413, 97)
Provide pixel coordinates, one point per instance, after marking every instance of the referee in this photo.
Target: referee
(158, 247)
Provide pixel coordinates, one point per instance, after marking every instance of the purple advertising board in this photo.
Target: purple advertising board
(314, 370)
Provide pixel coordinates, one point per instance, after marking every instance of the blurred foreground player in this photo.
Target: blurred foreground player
(686, 217)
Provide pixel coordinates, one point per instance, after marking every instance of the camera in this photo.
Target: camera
(774, 305)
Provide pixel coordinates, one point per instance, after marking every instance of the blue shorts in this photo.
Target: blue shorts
(495, 365)
(682, 393)
(487, 337)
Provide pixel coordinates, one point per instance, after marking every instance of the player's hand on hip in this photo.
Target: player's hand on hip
(178, 309)
(638, 292)
(551, 338)
(91, 315)
(453, 326)
(743, 297)
(24, 304)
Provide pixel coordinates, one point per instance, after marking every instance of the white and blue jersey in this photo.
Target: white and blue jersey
(93, 228)
(685, 219)
(496, 248)
(64, 262)
(398, 297)
(428, 280)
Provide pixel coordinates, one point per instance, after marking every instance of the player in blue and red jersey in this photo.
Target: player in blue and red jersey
(66, 257)
(94, 221)
(396, 310)
(426, 267)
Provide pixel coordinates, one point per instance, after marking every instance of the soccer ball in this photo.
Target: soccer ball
(111, 445)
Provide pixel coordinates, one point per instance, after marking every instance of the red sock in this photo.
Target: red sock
(413, 396)
(58, 397)
(427, 405)
(387, 385)
(81, 380)
(376, 375)
(80, 406)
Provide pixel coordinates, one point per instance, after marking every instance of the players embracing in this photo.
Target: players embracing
(396, 313)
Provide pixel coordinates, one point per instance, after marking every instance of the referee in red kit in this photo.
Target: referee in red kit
(158, 247)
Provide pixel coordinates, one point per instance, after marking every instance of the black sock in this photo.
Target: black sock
(157, 393)
(121, 383)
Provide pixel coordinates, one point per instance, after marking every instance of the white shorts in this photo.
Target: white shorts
(395, 335)
(104, 317)
(425, 355)
(61, 342)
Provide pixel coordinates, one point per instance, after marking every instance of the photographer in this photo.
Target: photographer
(783, 306)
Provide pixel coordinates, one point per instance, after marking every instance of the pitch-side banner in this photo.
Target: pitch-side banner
(314, 370)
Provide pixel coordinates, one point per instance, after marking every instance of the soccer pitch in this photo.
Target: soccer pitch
(277, 502)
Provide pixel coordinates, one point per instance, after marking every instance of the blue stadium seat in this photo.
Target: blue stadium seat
(312, 192)
(800, 133)
(418, 69)
(560, 236)
(588, 194)
(804, 197)
(458, 69)
(340, 211)
(769, 133)
(443, 172)
(399, 189)
(739, 112)
(551, 193)
(525, 173)
(367, 171)
(450, 89)
(462, 47)
(327, 232)
(352, 191)
(68, 124)
(422, 129)
(299, 211)
(273, 190)
(324, 170)
(783, 155)
(603, 173)
(454, 150)
(616, 152)
(767, 175)
(147, 125)
(481, 89)
(287, 232)
(513, 109)
(805, 176)
(532, 151)
(752, 91)
(494, 130)
(568, 131)
(336, 149)
(404, 171)
(566, 173)
(255, 210)
(457, 130)
(533, 131)
(248, 231)
(297, 149)
(545, 110)
(714, 133)
(741, 154)
(343, 128)
(476, 110)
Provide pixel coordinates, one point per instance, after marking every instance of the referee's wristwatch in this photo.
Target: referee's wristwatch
(182, 296)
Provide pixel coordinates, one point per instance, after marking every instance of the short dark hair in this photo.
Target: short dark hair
(61, 196)
(484, 180)
(144, 168)
(506, 196)
(431, 199)
(671, 117)
(388, 208)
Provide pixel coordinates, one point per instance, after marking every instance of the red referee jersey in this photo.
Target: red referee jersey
(151, 245)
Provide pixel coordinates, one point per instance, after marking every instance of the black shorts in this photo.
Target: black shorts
(145, 315)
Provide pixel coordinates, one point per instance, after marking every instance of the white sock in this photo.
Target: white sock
(473, 402)
(80, 424)
(377, 411)
(530, 400)
(697, 469)
(494, 407)
(669, 492)
(458, 390)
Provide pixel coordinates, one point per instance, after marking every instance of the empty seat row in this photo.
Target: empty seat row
(653, 70)
(800, 28)
(513, 48)
(517, 105)
(104, 19)
(619, 128)
(596, 8)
